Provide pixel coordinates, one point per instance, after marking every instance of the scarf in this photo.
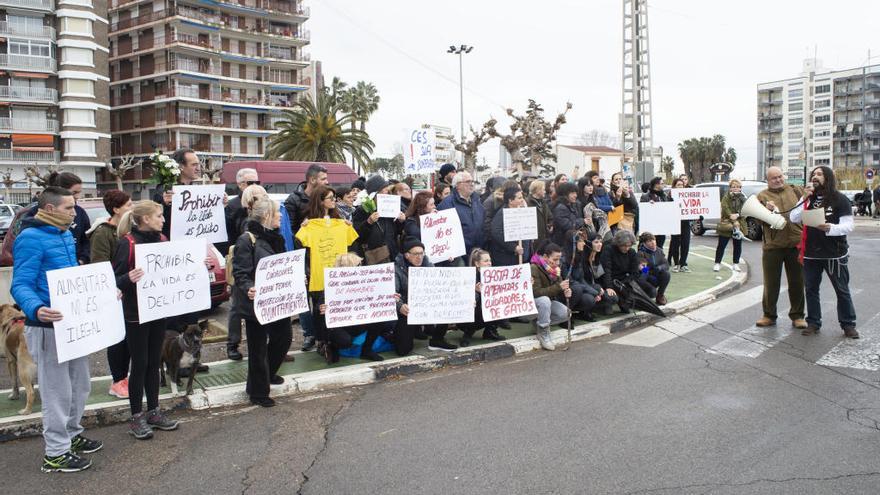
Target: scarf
(59, 220)
(539, 260)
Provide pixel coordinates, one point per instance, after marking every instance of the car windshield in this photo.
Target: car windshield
(6, 211)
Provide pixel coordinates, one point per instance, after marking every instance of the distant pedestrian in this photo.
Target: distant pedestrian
(656, 194)
(731, 225)
(680, 246)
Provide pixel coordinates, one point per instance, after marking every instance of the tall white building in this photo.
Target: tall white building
(821, 117)
(444, 150)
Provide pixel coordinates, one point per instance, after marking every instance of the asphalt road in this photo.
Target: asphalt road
(694, 407)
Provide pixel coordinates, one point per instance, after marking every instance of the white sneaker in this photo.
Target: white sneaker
(545, 339)
(736, 267)
(675, 269)
(685, 269)
(716, 267)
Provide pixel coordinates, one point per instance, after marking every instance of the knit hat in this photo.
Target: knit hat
(411, 243)
(375, 183)
(445, 170)
(359, 183)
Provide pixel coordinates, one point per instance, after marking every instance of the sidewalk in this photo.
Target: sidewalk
(223, 385)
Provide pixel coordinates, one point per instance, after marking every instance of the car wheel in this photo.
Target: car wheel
(755, 231)
(697, 227)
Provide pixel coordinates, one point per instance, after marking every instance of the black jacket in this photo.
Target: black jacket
(545, 219)
(166, 210)
(655, 197)
(401, 277)
(244, 263)
(236, 217)
(619, 266)
(504, 253)
(491, 206)
(566, 218)
(296, 204)
(822, 246)
(122, 264)
(384, 232)
(412, 229)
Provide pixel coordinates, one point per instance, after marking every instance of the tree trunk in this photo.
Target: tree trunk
(119, 182)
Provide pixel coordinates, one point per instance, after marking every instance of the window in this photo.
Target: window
(79, 87)
(30, 47)
(161, 140)
(77, 56)
(794, 148)
(28, 114)
(25, 25)
(819, 148)
(794, 135)
(822, 161)
(79, 147)
(79, 117)
(796, 107)
(824, 133)
(794, 121)
(824, 88)
(822, 118)
(823, 103)
(76, 25)
(795, 93)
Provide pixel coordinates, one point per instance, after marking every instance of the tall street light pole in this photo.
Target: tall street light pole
(460, 51)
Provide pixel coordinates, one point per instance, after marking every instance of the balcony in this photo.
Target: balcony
(39, 157)
(24, 93)
(47, 5)
(27, 62)
(15, 29)
(19, 125)
(137, 21)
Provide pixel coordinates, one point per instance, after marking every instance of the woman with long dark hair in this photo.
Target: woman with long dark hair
(567, 219)
(421, 204)
(680, 245)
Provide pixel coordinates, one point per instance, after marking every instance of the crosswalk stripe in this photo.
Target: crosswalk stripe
(751, 342)
(862, 354)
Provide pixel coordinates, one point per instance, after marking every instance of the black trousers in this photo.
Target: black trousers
(469, 329)
(144, 343)
(118, 360)
(404, 334)
(722, 245)
(267, 345)
(681, 245)
(233, 336)
(338, 337)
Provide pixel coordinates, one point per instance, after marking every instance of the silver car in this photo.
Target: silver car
(750, 187)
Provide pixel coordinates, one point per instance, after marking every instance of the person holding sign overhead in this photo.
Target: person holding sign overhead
(46, 243)
(267, 344)
(141, 225)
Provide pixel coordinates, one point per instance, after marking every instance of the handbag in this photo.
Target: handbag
(377, 255)
(627, 222)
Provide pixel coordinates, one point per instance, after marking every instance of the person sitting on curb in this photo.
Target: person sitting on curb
(588, 275)
(548, 287)
(621, 264)
(655, 275)
(479, 258)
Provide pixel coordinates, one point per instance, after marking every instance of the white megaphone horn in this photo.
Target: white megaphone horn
(753, 208)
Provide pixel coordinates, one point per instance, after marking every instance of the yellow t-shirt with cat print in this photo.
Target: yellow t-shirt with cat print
(325, 239)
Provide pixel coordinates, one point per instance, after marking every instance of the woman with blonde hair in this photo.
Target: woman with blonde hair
(141, 225)
(267, 344)
(731, 226)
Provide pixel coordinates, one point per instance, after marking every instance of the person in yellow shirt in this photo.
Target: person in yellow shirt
(326, 236)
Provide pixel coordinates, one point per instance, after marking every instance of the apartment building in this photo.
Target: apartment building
(444, 148)
(821, 117)
(54, 107)
(211, 75)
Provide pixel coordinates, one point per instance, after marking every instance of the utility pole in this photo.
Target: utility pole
(635, 118)
(461, 51)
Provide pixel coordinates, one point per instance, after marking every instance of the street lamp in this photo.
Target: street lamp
(460, 51)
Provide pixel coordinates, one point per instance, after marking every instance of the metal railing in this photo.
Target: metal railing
(27, 62)
(13, 124)
(25, 30)
(48, 95)
(30, 156)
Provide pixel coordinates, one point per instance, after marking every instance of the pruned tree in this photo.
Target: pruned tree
(211, 171)
(530, 139)
(118, 167)
(470, 147)
(8, 182)
(33, 175)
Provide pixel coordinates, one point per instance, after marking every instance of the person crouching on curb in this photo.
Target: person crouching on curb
(621, 265)
(267, 344)
(479, 258)
(45, 243)
(655, 275)
(141, 225)
(548, 287)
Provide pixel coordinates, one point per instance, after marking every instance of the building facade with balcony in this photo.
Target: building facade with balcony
(54, 88)
(213, 76)
(821, 117)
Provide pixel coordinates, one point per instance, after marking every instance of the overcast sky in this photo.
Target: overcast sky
(707, 58)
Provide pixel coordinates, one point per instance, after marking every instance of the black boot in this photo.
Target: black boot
(492, 334)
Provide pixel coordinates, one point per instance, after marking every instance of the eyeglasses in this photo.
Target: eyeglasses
(252, 182)
(421, 253)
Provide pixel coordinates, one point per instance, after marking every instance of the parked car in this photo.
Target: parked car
(219, 290)
(7, 213)
(750, 187)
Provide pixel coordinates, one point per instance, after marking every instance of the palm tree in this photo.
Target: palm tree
(336, 91)
(318, 133)
(361, 100)
(667, 165)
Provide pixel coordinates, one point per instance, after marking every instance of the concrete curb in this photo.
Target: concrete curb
(365, 373)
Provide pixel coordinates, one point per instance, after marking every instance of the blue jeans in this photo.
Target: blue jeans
(838, 273)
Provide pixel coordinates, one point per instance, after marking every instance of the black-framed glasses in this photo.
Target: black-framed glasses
(252, 183)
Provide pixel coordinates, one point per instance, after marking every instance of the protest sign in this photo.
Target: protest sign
(87, 298)
(696, 202)
(442, 235)
(660, 218)
(197, 213)
(418, 151)
(507, 292)
(388, 205)
(280, 283)
(814, 217)
(520, 224)
(359, 295)
(175, 280)
(441, 295)
(615, 216)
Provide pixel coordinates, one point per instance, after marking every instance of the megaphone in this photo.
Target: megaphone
(753, 208)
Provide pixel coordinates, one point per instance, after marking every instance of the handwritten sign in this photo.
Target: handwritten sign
(520, 224)
(507, 292)
(418, 151)
(453, 286)
(388, 205)
(442, 235)
(359, 295)
(814, 217)
(197, 213)
(86, 297)
(660, 218)
(280, 282)
(175, 280)
(696, 202)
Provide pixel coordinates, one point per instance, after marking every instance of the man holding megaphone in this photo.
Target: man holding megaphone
(825, 249)
(781, 250)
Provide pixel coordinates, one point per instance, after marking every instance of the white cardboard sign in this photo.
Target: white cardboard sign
(359, 295)
(280, 283)
(520, 224)
(197, 213)
(441, 295)
(175, 280)
(661, 218)
(507, 292)
(442, 235)
(388, 205)
(418, 151)
(87, 298)
(696, 202)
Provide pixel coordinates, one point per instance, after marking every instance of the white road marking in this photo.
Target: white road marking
(861, 354)
(666, 330)
(751, 342)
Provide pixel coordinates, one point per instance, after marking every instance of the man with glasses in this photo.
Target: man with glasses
(236, 216)
(470, 210)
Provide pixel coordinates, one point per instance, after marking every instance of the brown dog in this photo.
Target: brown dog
(175, 346)
(21, 366)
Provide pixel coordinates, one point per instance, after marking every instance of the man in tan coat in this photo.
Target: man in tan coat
(780, 250)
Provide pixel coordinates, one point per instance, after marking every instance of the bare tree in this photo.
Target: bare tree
(33, 175)
(210, 171)
(8, 181)
(118, 168)
(530, 138)
(470, 147)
